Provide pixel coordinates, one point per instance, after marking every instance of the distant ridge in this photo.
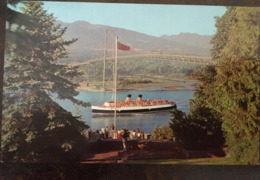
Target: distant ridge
(91, 38)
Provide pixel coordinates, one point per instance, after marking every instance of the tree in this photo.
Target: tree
(35, 127)
(237, 95)
(243, 41)
(184, 131)
(202, 127)
(6, 36)
(201, 109)
(236, 91)
(164, 132)
(223, 25)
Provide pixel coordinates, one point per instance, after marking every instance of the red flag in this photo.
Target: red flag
(123, 47)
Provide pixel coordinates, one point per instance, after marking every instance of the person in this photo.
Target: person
(134, 134)
(119, 134)
(142, 135)
(89, 133)
(114, 134)
(97, 135)
(86, 134)
(138, 133)
(124, 136)
(112, 127)
(106, 132)
(103, 134)
(137, 130)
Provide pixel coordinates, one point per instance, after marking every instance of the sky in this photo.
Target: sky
(156, 20)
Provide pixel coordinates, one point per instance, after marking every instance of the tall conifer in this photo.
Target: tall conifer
(237, 91)
(201, 129)
(36, 128)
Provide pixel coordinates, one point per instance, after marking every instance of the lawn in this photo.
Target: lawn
(199, 161)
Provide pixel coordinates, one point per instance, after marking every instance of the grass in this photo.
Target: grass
(199, 161)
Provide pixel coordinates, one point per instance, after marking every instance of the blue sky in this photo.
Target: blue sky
(150, 19)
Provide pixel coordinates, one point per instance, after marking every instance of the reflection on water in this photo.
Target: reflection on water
(144, 121)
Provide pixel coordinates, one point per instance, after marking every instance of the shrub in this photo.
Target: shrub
(164, 132)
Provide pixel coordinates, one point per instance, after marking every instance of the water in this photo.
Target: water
(144, 121)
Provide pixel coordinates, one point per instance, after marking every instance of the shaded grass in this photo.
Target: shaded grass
(199, 161)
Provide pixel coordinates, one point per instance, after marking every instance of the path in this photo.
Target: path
(111, 152)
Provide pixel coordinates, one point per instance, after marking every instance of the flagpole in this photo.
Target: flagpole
(104, 65)
(115, 81)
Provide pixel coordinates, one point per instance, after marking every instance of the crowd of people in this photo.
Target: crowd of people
(111, 133)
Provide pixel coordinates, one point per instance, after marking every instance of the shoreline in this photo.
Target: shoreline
(88, 89)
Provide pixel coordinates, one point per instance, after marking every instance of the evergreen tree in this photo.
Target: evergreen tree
(201, 110)
(223, 25)
(243, 40)
(236, 91)
(202, 127)
(184, 130)
(36, 128)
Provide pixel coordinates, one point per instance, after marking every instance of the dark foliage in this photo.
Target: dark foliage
(196, 132)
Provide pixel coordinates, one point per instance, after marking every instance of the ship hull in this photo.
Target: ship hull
(98, 109)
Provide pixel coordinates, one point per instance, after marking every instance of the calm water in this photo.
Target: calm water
(144, 121)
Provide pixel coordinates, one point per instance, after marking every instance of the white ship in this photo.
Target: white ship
(129, 106)
(138, 105)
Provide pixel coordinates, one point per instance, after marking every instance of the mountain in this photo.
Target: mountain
(194, 42)
(91, 42)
